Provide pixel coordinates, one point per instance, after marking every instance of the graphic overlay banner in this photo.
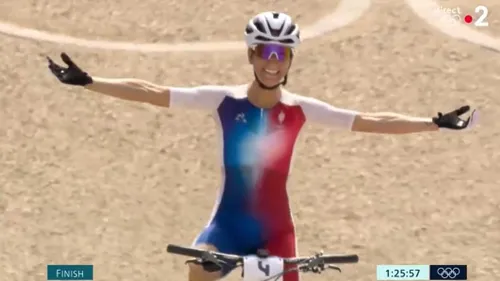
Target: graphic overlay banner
(70, 272)
(402, 272)
(448, 272)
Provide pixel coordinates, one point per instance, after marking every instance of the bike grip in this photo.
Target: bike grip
(341, 259)
(185, 251)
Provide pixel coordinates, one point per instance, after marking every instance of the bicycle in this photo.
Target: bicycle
(261, 266)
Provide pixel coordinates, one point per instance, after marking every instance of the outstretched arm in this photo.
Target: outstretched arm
(132, 90)
(205, 97)
(391, 123)
(382, 123)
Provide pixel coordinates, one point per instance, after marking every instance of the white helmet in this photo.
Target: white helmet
(272, 27)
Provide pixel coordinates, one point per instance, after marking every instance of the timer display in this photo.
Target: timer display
(402, 272)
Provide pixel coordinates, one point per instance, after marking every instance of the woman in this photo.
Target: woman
(259, 123)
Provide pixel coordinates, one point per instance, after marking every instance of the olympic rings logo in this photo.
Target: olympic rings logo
(448, 272)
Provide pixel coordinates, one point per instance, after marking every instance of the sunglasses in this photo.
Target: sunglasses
(270, 51)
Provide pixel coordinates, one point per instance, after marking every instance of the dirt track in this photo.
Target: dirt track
(90, 179)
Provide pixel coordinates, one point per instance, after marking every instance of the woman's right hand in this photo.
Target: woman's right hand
(71, 75)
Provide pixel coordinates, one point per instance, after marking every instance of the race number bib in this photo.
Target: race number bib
(259, 269)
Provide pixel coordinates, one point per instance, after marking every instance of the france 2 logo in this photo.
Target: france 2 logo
(481, 16)
(454, 16)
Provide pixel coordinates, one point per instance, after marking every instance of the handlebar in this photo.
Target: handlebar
(214, 261)
(197, 253)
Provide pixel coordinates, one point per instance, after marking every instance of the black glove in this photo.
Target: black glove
(72, 75)
(452, 120)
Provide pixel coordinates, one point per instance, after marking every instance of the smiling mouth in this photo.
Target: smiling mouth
(271, 72)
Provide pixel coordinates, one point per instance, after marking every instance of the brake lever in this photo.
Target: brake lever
(316, 262)
(334, 267)
(316, 266)
(208, 261)
(209, 257)
(207, 265)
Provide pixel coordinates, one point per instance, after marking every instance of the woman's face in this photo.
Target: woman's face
(270, 63)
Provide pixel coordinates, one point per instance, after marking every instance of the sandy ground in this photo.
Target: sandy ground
(90, 179)
(151, 20)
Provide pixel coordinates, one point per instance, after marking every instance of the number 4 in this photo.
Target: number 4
(484, 14)
(264, 268)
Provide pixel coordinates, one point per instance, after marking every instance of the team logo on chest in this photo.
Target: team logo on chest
(240, 117)
(281, 117)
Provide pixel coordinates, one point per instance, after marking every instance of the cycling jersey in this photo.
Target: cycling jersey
(252, 210)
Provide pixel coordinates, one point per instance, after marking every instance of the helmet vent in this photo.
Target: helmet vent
(262, 38)
(265, 39)
(248, 30)
(275, 32)
(290, 29)
(259, 26)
